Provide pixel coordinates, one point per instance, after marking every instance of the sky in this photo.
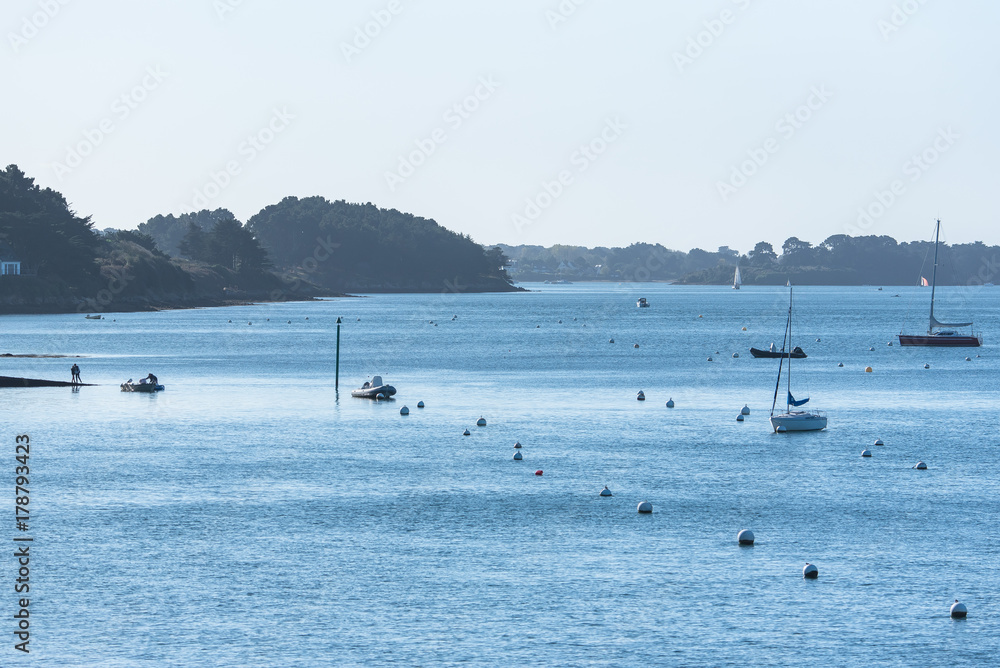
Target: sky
(585, 122)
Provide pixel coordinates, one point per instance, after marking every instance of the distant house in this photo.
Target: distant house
(10, 265)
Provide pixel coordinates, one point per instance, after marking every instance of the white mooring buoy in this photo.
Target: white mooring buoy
(879, 441)
(958, 610)
(745, 410)
(635, 345)
(841, 364)
(517, 456)
(670, 403)
(640, 396)
(810, 572)
(927, 366)
(740, 418)
(735, 355)
(645, 507)
(866, 453)
(920, 466)
(606, 491)
(817, 340)
(871, 349)
(420, 404)
(481, 422)
(466, 433)
(517, 444)
(404, 411)
(968, 359)
(611, 340)
(710, 359)
(745, 537)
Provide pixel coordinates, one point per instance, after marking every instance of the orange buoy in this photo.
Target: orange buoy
(538, 472)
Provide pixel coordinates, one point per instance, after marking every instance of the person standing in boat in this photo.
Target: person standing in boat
(75, 370)
(152, 379)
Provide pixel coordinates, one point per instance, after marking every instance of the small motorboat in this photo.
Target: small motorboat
(94, 317)
(141, 386)
(796, 353)
(642, 303)
(374, 388)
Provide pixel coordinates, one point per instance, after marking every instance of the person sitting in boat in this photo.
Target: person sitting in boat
(151, 378)
(366, 385)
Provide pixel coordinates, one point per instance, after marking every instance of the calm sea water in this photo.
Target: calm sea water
(250, 515)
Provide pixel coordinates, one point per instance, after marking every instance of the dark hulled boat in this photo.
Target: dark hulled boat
(936, 334)
(796, 353)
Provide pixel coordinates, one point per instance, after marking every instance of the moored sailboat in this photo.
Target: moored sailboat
(737, 281)
(939, 333)
(792, 420)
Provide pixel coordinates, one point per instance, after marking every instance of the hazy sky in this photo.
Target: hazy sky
(691, 124)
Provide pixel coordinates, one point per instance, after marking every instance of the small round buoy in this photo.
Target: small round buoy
(559, 322)
(810, 572)
(517, 444)
(817, 340)
(958, 610)
(781, 429)
(379, 396)
(289, 322)
(230, 321)
(920, 466)
(466, 433)
(735, 355)
(840, 364)
(420, 404)
(745, 537)
(611, 340)
(889, 344)
(538, 472)
(740, 418)
(635, 345)
(640, 396)
(518, 457)
(606, 491)
(868, 369)
(871, 348)
(359, 319)
(879, 441)
(249, 323)
(700, 316)
(866, 453)
(968, 359)
(710, 359)
(538, 326)
(645, 507)
(267, 319)
(716, 352)
(404, 411)
(481, 422)
(745, 410)
(927, 366)
(670, 403)
(744, 329)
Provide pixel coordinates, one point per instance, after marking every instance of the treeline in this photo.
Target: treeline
(867, 260)
(839, 260)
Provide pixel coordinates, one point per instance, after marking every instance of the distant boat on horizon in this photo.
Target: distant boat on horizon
(737, 281)
(936, 334)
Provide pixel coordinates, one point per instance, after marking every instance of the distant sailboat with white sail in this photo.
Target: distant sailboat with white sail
(737, 280)
(792, 420)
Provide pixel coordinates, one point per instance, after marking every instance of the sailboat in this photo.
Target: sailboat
(936, 334)
(792, 420)
(737, 281)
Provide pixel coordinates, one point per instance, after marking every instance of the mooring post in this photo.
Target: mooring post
(336, 377)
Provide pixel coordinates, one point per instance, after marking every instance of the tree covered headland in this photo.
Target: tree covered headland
(839, 260)
(291, 250)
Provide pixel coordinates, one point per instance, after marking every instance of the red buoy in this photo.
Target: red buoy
(538, 472)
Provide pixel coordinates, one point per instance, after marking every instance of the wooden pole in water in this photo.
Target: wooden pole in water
(336, 381)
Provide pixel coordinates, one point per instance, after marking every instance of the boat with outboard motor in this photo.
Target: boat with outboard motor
(374, 389)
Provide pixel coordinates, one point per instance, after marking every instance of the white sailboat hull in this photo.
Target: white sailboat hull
(799, 421)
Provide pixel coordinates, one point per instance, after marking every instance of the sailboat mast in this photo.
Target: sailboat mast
(937, 235)
(781, 360)
(788, 389)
